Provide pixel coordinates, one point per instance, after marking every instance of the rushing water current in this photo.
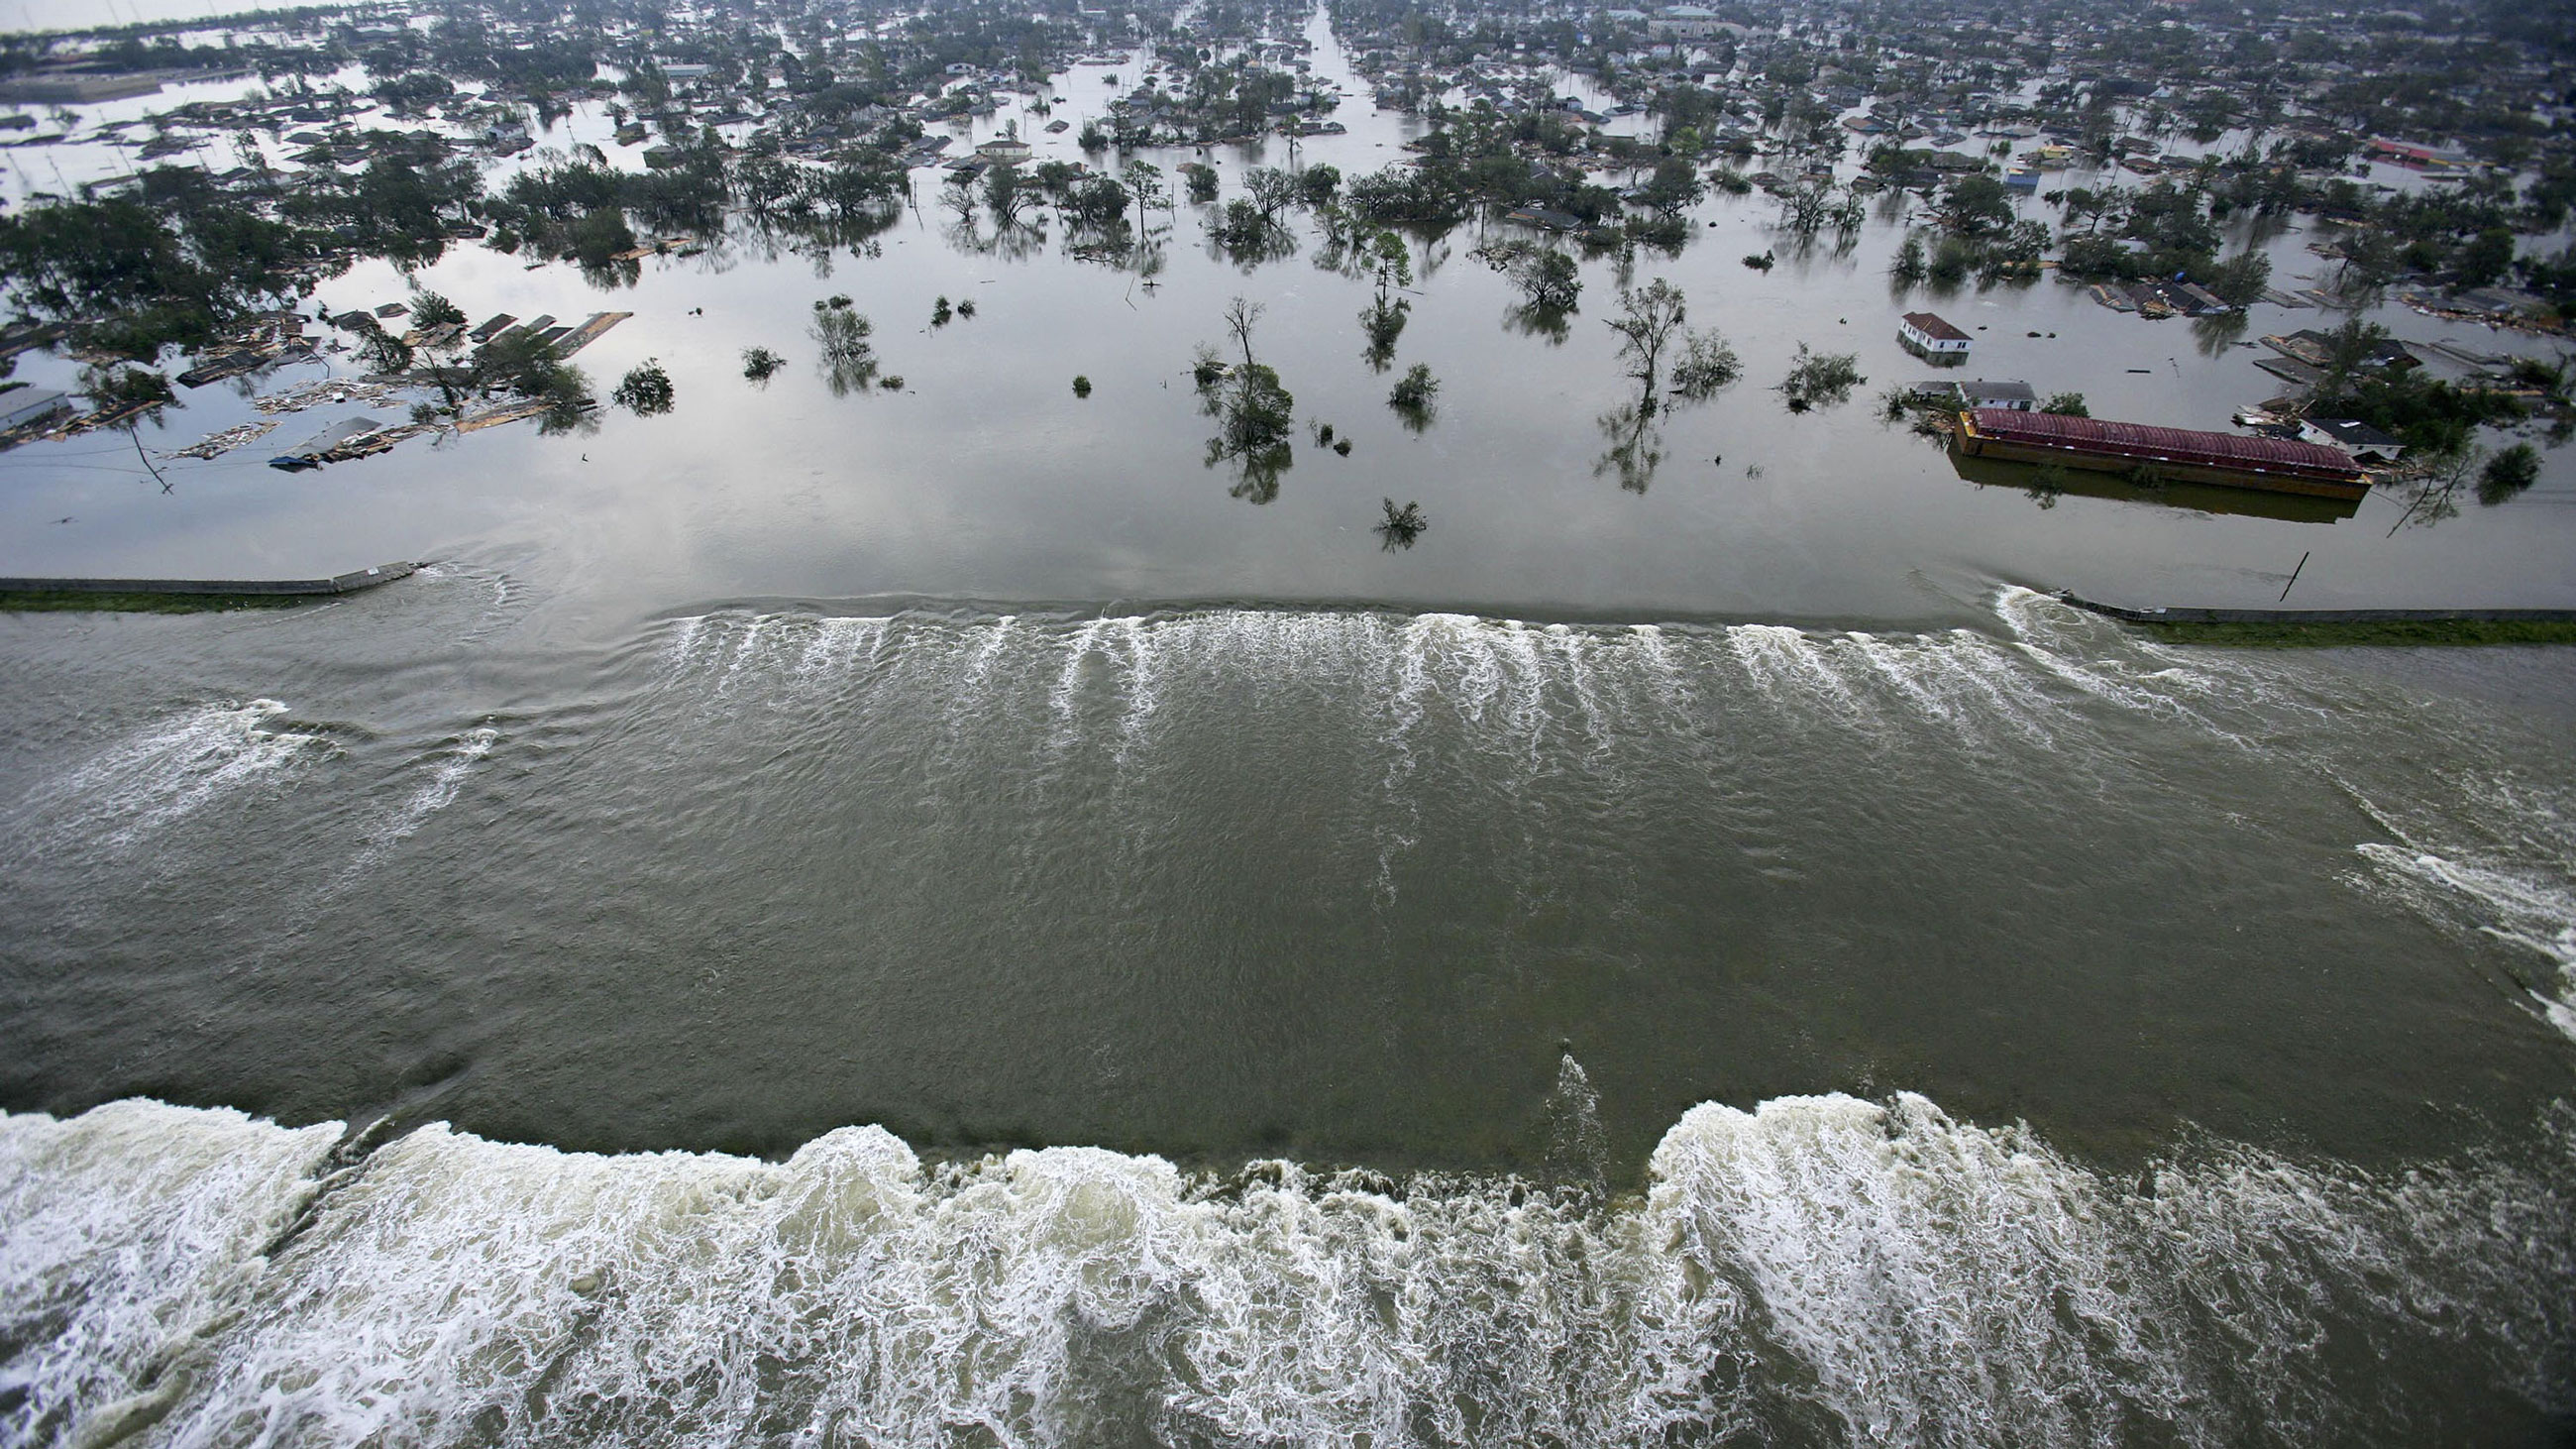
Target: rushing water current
(1491, 1031)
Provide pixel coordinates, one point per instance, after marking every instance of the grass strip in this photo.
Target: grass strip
(2348, 634)
(82, 601)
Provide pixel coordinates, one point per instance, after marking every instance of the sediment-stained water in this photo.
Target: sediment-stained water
(1240, 1025)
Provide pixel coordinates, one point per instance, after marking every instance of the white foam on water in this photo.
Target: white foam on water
(828, 642)
(973, 691)
(2092, 655)
(745, 645)
(1414, 685)
(1522, 676)
(448, 769)
(997, 637)
(1956, 1284)
(445, 779)
(1407, 702)
(2517, 906)
(1786, 666)
(171, 770)
(1515, 690)
(1964, 680)
(1948, 1285)
(1574, 649)
(1653, 650)
(1817, 1268)
(1062, 697)
(685, 635)
(2011, 692)
(1136, 641)
(128, 1235)
(2489, 855)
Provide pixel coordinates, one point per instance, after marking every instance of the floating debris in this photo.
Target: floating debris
(330, 392)
(215, 445)
(494, 417)
(588, 332)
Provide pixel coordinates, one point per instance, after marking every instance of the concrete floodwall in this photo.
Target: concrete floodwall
(348, 583)
(2321, 616)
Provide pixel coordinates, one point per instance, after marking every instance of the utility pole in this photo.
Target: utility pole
(2294, 575)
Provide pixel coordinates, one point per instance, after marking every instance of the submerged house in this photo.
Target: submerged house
(30, 407)
(315, 450)
(1927, 336)
(2017, 396)
(2356, 440)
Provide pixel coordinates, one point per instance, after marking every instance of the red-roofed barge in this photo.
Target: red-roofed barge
(2177, 455)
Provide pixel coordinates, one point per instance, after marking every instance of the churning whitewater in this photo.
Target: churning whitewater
(1819, 1270)
(1242, 891)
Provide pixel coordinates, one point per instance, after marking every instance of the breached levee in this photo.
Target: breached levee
(1821, 1269)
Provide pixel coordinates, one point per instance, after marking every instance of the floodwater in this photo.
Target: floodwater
(987, 478)
(922, 918)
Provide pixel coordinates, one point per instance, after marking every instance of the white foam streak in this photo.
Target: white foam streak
(1945, 1283)
(684, 640)
(1783, 663)
(2521, 909)
(446, 778)
(1932, 1282)
(1571, 649)
(1062, 698)
(164, 774)
(1512, 689)
(1136, 638)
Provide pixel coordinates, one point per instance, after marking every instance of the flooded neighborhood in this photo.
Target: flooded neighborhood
(1241, 723)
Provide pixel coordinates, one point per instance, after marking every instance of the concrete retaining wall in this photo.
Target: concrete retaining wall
(2319, 616)
(348, 583)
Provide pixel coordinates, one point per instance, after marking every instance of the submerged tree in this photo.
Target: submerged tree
(1809, 206)
(1820, 379)
(1548, 278)
(1411, 396)
(1255, 414)
(1391, 263)
(431, 312)
(849, 360)
(1706, 366)
(1632, 446)
(1007, 195)
(1401, 526)
(1648, 318)
(760, 364)
(1910, 265)
(517, 362)
(645, 390)
(126, 391)
(383, 353)
(1145, 184)
(2508, 474)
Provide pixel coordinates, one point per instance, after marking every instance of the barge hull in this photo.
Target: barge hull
(2315, 483)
